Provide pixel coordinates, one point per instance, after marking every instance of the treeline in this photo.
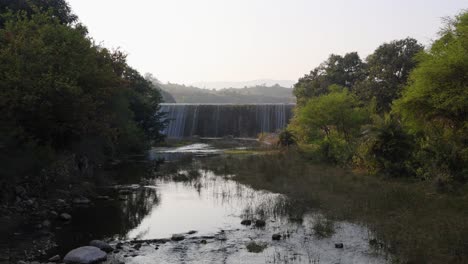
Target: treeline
(62, 94)
(248, 95)
(401, 112)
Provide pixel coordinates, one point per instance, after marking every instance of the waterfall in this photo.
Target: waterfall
(219, 120)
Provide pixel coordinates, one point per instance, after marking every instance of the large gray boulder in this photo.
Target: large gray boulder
(101, 245)
(85, 255)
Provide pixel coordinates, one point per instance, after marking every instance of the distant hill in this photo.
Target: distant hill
(248, 95)
(260, 82)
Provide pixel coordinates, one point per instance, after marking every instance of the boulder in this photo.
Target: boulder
(65, 217)
(177, 237)
(101, 245)
(276, 237)
(55, 258)
(246, 222)
(81, 201)
(85, 255)
(260, 223)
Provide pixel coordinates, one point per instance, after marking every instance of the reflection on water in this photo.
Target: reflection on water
(207, 205)
(197, 192)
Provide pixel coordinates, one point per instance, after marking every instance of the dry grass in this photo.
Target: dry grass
(416, 224)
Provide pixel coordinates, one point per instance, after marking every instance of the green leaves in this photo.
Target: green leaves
(59, 90)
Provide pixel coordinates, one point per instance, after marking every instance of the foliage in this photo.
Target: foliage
(418, 101)
(58, 9)
(332, 121)
(344, 71)
(388, 69)
(435, 103)
(286, 139)
(323, 227)
(386, 148)
(62, 93)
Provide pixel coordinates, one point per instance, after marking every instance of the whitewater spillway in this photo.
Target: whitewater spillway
(220, 120)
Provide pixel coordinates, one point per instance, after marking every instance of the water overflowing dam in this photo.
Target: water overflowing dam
(219, 120)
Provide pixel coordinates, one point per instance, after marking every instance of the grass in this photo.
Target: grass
(254, 247)
(415, 223)
(323, 227)
(249, 151)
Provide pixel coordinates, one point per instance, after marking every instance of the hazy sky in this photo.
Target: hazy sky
(187, 41)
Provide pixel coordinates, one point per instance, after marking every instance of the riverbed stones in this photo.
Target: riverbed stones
(177, 237)
(55, 258)
(260, 223)
(46, 223)
(65, 217)
(101, 245)
(246, 222)
(85, 255)
(81, 201)
(276, 237)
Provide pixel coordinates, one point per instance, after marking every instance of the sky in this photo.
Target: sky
(187, 41)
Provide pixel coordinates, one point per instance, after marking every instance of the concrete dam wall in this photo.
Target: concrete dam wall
(220, 120)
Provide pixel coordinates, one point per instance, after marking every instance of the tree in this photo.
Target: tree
(344, 71)
(435, 103)
(59, 9)
(388, 69)
(386, 147)
(331, 122)
(338, 111)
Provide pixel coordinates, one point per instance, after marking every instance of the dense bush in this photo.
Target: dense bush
(62, 93)
(331, 121)
(418, 100)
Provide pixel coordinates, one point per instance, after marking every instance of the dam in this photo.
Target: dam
(220, 120)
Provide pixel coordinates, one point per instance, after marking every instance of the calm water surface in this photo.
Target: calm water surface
(190, 192)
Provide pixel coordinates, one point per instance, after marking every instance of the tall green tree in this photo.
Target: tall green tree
(339, 70)
(387, 72)
(59, 9)
(435, 103)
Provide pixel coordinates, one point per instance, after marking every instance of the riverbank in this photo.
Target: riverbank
(306, 212)
(409, 219)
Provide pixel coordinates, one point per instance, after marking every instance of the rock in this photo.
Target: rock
(20, 191)
(191, 232)
(55, 258)
(137, 246)
(101, 245)
(339, 245)
(119, 245)
(22, 262)
(260, 223)
(177, 237)
(246, 222)
(65, 217)
(125, 192)
(85, 255)
(46, 223)
(81, 201)
(276, 237)
(203, 241)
